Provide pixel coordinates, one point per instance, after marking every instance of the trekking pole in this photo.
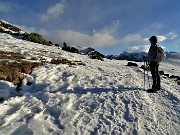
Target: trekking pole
(144, 71)
(148, 74)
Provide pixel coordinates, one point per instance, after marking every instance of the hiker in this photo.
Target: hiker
(154, 65)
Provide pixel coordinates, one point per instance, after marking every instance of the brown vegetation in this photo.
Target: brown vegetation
(65, 61)
(10, 55)
(13, 67)
(14, 71)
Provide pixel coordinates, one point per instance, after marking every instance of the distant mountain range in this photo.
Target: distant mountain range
(128, 56)
(138, 57)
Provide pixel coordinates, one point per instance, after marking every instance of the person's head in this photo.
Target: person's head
(153, 40)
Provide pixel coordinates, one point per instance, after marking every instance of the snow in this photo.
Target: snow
(94, 98)
(8, 30)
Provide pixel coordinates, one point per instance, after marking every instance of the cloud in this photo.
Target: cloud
(81, 39)
(136, 49)
(161, 38)
(53, 12)
(98, 38)
(131, 38)
(112, 28)
(171, 35)
(168, 36)
(101, 38)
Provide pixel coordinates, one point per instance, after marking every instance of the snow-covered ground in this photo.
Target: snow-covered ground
(94, 98)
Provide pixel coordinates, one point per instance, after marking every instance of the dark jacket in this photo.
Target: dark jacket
(152, 54)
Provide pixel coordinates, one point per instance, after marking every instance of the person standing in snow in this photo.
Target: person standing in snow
(154, 65)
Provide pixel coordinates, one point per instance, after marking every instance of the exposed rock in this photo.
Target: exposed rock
(56, 45)
(178, 78)
(132, 64)
(174, 77)
(92, 53)
(70, 49)
(86, 50)
(1, 99)
(50, 43)
(96, 55)
(161, 72)
(167, 75)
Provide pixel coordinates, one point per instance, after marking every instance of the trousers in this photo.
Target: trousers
(154, 67)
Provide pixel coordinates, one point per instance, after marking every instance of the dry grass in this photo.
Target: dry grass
(10, 55)
(13, 67)
(14, 71)
(65, 61)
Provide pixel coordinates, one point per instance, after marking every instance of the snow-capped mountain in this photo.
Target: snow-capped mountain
(88, 97)
(138, 57)
(172, 55)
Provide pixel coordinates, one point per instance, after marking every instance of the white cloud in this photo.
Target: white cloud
(53, 12)
(81, 39)
(112, 28)
(98, 38)
(138, 49)
(132, 38)
(171, 35)
(102, 38)
(161, 38)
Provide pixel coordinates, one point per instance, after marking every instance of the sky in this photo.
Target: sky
(109, 26)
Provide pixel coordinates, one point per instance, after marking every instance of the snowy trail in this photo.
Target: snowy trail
(98, 97)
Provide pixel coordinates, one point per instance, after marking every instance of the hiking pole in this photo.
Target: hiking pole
(144, 71)
(147, 73)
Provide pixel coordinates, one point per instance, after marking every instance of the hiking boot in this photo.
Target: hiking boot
(151, 90)
(154, 87)
(158, 87)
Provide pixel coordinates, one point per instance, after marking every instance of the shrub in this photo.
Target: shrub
(36, 38)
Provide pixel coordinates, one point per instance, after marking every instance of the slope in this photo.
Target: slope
(95, 97)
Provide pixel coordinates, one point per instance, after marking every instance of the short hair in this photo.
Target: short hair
(153, 38)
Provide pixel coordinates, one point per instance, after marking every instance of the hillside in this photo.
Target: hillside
(89, 97)
(6, 27)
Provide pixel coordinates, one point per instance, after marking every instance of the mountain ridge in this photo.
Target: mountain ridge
(138, 57)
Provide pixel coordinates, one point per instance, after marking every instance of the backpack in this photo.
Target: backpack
(161, 55)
